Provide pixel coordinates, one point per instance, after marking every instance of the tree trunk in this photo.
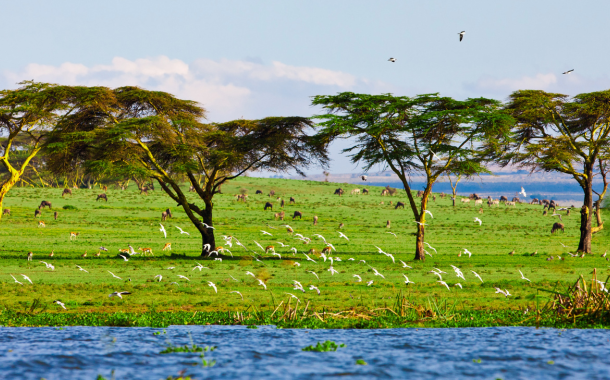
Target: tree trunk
(598, 216)
(207, 234)
(6, 186)
(586, 215)
(419, 243)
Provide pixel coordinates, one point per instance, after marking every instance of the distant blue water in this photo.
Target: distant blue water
(269, 353)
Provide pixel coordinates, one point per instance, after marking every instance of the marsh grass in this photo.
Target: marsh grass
(327, 346)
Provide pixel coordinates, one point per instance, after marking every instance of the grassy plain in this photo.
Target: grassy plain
(131, 218)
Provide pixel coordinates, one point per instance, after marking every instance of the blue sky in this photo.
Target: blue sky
(261, 58)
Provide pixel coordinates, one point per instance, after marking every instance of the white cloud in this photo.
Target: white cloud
(228, 89)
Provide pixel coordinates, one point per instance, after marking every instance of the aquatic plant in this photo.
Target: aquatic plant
(186, 348)
(327, 346)
(361, 362)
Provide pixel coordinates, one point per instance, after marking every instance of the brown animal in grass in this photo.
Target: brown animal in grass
(327, 251)
(102, 196)
(557, 227)
(41, 223)
(271, 193)
(420, 194)
(315, 220)
(269, 248)
(30, 256)
(289, 230)
(44, 204)
(434, 198)
(279, 215)
(37, 213)
(268, 205)
(568, 212)
(341, 225)
(282, 204)
(55, 214)
(387, 225)
(66, 192)
(292, 201)
(399, 204)
(390, 203)
(480, 210)
(365, 191)
(6, 211)
(297, 213)
(339, 192)
(443, 195)
(385, 192)
(164, 216)
(258, 192)
(167, 246)
(544, 213)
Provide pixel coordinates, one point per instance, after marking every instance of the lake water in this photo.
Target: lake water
(270, 353)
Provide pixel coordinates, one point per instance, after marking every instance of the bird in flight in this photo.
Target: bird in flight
(49, 266)
(478, 220)
(184, 277)
(568, 72)
(213, 285)
(523, 277)
(210, 227)
(358, 277)
(250, 274)
(468, 252)
(297, 264)
(391, 60)
(462, 35)
(312, 287)
(60, 304)
(444, 284)
(429, 213)
(477, 275)
(421, 224)
(505, 293)
(159, 277)
(369, 283)
(314, 273)
(162, 229)
(235, 291)
(522, 192)
(81, 269)
(392, 234)
(117, 294)
(115, 276)
(261, 283)
(342, 235)
(182, 232)
(16, 280)
(458, 284)
(266, 233)
(431, 247)
(404, 265)
(407, 281)
(124, 257)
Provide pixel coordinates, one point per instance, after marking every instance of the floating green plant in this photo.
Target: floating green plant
(327, 346)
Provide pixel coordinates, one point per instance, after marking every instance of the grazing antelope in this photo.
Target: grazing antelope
(315, 220)
(388, 224)
(290, 230)
(269, 248)
(510, 204)
(73, 235)
(145, 250)
(52, 254)
(30, 256)
(167, 246)
(478, 202)
(124, 251)
(41, 223)
(465, 200)
(84, 254)
(37, 213)
(327, 250)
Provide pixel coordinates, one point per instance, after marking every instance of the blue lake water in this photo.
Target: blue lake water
(270, 353)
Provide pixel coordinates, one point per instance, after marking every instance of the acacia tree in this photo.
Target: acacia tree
(554, 132)
(27, 116)
(428, 134)
(153, 134)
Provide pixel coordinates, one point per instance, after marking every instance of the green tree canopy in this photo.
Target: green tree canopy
(427, 134)
(156, 135)
(554, 132)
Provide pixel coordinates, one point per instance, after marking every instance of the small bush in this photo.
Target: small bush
(70, 207)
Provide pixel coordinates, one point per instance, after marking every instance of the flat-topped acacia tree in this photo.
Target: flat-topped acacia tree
(27, 115)
(426, 134)
(157, 135)
(554, 132)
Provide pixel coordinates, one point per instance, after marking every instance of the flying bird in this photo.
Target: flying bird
(523, 277)
(297, 264)
(391, 60)
(392, 234)
(407, 281)
(81, 269)
(266, 233)
(124, 258)
(260, 246)
(250, 274)
(182, 232)
(210, 227)
(369, 283)
(114, 275)
(162, 229)
(421, 224)
(468, 252)
(462, 35)
(429, 213)
(235, 291)
(478, 220)
(522, 192)
(431, 247)
(568, 72)
(477, 275)
(16, 280)
(342, 235)
(27, 278)
(160, 277)
(184, 277)
(213, 285)
(505, 293)
(49, 266)
(117, 294)
(60, 304)
(376, 273)
(311, 287)
(332, 270)
(314, 273)
(293, 296)
(261, 283)
(444, 284)
(358, 277)
(404, 265)
(104, 249)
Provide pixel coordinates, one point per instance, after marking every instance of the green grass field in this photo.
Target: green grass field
(130, 218)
